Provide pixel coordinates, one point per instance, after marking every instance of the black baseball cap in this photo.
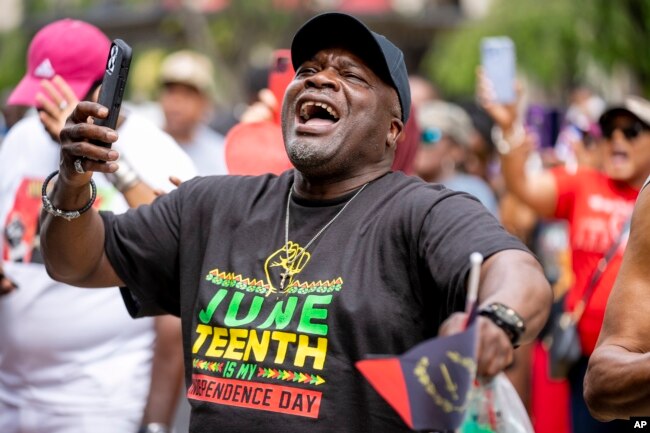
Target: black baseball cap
(335, 29)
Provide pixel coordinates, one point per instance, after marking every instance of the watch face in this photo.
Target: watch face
(507, 319)
(508, 315)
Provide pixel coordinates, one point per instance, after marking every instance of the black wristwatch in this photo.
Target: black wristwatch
(154, 427)
(505, 318)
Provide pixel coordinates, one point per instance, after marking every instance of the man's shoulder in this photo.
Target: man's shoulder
(207, 134)
(27, 138)
(405, 192)
(28, 128)
(409, 187)
(151, 150)
(238, 187)
(137, 124)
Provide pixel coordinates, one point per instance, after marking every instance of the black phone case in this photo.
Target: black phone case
(113, 84)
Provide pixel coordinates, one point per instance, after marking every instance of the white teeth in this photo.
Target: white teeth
(303, 109)
(331, 111)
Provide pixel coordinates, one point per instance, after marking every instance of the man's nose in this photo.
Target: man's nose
(321, 79)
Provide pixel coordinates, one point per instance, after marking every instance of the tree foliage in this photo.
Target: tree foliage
(12, 56)
(556, 40)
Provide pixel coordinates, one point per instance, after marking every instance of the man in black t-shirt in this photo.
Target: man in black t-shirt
(284, 282)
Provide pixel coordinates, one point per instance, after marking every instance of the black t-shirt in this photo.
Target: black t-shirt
(380, 279)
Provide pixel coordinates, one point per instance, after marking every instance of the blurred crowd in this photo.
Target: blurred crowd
(530, 189)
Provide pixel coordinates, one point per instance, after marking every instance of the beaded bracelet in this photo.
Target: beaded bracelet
(67, 214)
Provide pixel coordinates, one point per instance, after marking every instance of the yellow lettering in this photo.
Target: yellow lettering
(318, 353)
(259, 347)
(217, 341)
(243, 344)
(203, 331)
(283, 339)
(237, 342)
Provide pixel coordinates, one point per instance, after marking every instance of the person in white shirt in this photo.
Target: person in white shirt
(71, 360)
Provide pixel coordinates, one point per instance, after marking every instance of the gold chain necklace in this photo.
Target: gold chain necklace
(289, 263)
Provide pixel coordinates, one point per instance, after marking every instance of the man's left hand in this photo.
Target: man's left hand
(494, 352)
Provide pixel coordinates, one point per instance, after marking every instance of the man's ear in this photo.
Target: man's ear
(394, 132)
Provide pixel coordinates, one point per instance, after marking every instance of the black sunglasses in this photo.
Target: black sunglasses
(630, 132)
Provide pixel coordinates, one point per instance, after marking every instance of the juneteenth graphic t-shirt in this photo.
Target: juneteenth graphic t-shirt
(259, 358)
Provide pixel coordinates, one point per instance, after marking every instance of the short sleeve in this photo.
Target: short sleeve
(566, 186)
(143, 248)
(455, 227)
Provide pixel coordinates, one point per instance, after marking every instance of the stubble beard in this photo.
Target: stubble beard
(304, 155)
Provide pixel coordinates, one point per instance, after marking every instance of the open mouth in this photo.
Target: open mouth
(619, 156)
(318, 113)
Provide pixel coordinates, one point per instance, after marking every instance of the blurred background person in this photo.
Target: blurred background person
(422, 90)
(64, 364)
(577, 143)
(444, 146)
(187, 102)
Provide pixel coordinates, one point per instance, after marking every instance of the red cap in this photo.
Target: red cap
(73, 49)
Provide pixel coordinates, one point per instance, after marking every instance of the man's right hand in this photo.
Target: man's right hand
(78, 129)
(73, 250)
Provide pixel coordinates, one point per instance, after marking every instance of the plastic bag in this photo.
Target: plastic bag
(495, 407)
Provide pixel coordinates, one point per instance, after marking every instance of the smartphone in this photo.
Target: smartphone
(113, 84)
(280, 75)
(545, 123)
(499, 66)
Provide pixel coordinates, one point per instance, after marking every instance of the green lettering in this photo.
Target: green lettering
(231, 315)
(281, 317)
(206, 314)
(310, 313)
(246, 369)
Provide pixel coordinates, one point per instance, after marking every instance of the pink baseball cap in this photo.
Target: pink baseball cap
(75, 50)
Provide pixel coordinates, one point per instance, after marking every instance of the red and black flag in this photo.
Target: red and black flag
(428, 386)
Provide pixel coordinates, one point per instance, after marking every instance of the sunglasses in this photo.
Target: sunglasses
(630, 132)
(430, 136)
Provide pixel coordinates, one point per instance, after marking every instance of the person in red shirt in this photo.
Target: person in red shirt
(597, 206)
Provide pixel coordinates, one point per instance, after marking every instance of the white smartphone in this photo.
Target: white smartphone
(499, 64)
